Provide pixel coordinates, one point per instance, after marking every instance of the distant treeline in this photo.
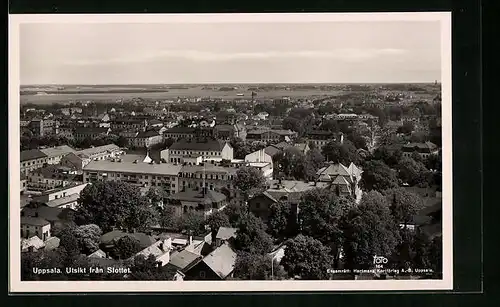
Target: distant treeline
(111, 91)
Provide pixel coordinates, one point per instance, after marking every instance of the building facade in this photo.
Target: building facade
(320, 138)
(55, 154)
(206, 149)
(31, 160)
(143, 175)
(35, 226)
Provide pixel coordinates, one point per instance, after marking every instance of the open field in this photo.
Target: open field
(112, 93)
(171, 94)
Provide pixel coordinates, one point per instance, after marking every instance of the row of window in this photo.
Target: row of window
(209, 186)
(36, 162)
(191, 152)
(207, 176)
(159, 184)
(168, 178)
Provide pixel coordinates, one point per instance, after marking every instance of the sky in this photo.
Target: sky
(156, 53)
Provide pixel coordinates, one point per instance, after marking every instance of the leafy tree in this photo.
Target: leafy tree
(248, 180)
(407, 128)
(435, 135)
(142, 216)
(313, 161)
(234, 211)
(417, 157)
(168, 218)
(330, 125)
(193, 222)
(252, 266)
(70, 243)
(88, 237)
(404, 254)
(341, 153)
(378, 176)
(126, 247)
(419, 137)
(369, 230)
(307, 258)
(320, 215)
(251, 235)
(404, 204)
(357, 140)
(300, 113)
(83, 262)
(436, 255)
(290, 163)
(114, 203)
(240, 148)
(149, 269)
(434, 162)
(413, 172)
(42, 260)
(216, 220)
(122, 141)
(395, 113)
(281, 221)
(156, 195)
(389, 157)
(294, 124)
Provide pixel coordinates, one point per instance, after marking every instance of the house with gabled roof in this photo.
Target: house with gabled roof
(225, 235)
(218, 265)
(281, 190)
(34, 243)
(345, 180)
(160, 250)
(55, 154)
(184, 260)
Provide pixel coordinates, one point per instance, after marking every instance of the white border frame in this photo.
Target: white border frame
(18, 286)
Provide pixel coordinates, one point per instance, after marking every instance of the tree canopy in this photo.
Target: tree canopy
(307, 258)
(404, 204)
(252, 266)
(193, 222)
(88, 237)
(378, 176)
(320, 215)
(235, 211)
(114, 203)
(126, 247)
(281, 221)
(341, 153)
(147, 268)
(413, 172)
(251, 235)
(249, 180)
(369, 230)
(216, 220)
(156, 195)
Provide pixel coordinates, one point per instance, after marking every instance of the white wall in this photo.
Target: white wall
(227, 152)
(258, 156)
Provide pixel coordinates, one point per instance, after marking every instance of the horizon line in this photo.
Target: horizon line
(231, 83)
